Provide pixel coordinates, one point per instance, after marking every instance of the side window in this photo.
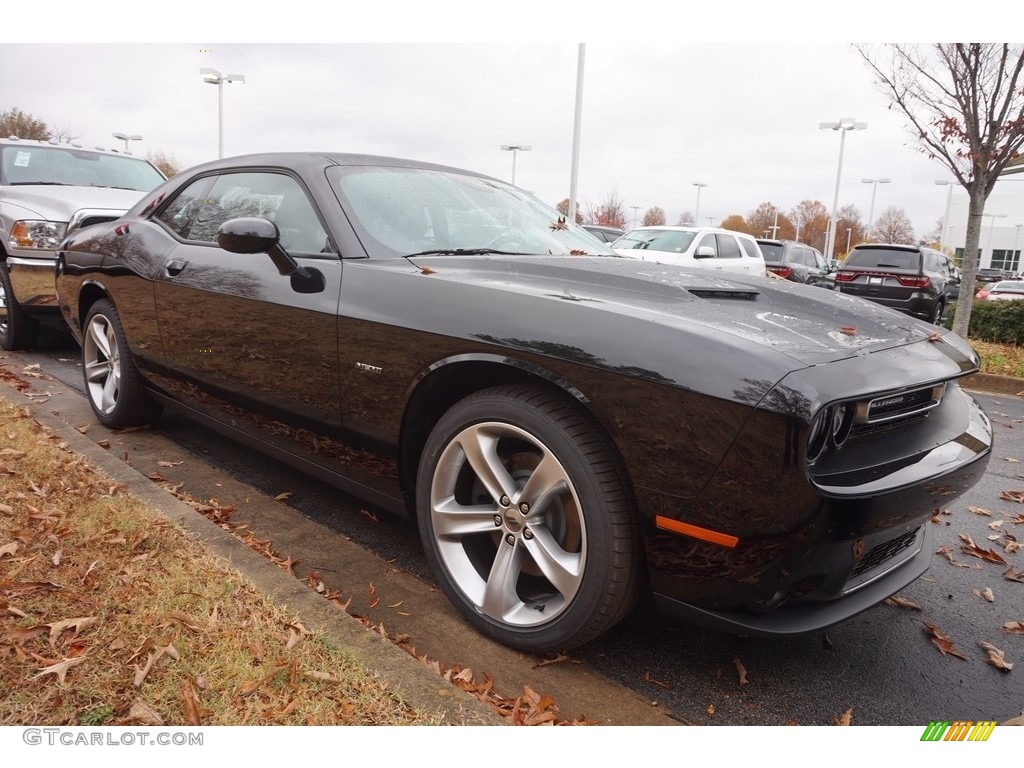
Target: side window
(728, 248)
(819, 261)
(181, 211)
(708, 240)
(272, 196)
(749, 247)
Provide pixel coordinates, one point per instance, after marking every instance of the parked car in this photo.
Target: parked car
(1004, 290)
(47, 191)
(701, 247)
(989, 275)
(797, 262)
(912, 279)
(604, 234)
(565, 426)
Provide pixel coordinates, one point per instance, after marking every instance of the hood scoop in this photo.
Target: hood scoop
(732, 292)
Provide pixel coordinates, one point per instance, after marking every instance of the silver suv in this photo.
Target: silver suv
(47, 192)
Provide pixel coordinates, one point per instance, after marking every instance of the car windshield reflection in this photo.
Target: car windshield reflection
(412, 211)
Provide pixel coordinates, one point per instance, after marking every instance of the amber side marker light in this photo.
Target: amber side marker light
(696, 532)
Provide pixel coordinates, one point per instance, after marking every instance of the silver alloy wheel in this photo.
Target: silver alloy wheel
(101, 357)
(507, 523)
(4, 311)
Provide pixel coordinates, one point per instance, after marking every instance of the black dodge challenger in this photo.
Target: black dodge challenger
(565, 426)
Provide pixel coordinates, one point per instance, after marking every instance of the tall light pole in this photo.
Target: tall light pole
(636, 209)
(213, 77)
(871, 211)
(515, 149)
(848, 231)
(775, 226)
(943, 240)
(845, 124)
(696, 216)
(1016, 241)
(991, 226)
(126, 138)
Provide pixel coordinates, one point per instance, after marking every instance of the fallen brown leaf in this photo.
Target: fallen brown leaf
(980, 511)
(646, 677)
(141, 713)
(996, 657)
(986, 594)
(77, 625)
(741, 670)
(902, 602)
(848, 330)
(60, 669)
(1017, 496)
(1014, 627)
(846, 718)
(943, 643)
(989, 555)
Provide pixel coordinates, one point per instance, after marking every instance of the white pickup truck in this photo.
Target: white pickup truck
(47, 192)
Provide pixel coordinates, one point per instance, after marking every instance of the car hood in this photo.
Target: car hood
(55, 203)
(806, 323)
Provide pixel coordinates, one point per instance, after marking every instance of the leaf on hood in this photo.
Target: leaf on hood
(77, 625)
(848, 330)
(989, 555)
(846, 718)
(1014, 627)
(996, 657)
(986, 594)
(427, 271)
(559, 224)
(902, 602)
(60, 669)
(942, 642)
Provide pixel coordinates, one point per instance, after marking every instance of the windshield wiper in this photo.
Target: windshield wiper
(41, 183)
(464, 252)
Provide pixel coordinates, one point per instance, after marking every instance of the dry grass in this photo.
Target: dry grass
(1004, 359)
(108, 616)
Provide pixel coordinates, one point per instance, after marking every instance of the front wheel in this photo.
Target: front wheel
(527, 519)
(112, 382)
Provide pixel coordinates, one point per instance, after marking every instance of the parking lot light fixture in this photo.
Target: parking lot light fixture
(699, 185)
(515, 149)
(843, 125)
(874, 189)
(213, 77)
(943, 237)
(126, 138)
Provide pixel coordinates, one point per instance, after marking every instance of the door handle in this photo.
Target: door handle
(174, 267)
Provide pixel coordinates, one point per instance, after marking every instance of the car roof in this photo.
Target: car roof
(311, 160)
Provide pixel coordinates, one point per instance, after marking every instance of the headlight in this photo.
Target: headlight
(45, 235)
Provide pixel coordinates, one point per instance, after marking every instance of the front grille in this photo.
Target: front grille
(885, 551)
(899, 405)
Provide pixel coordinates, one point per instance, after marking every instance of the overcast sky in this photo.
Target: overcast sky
(661, 109)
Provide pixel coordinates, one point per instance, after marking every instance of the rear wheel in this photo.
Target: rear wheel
(112, 382)
(527, 519)
(940, 308)
(18, 330)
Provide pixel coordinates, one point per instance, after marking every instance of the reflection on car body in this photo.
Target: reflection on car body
(567, 427)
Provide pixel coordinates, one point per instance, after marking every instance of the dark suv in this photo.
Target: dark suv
(797, 262)
(913, 279)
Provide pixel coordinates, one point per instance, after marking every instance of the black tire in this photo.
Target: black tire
(18, 330)
(556, 575)
(940, 308)
(112, 382)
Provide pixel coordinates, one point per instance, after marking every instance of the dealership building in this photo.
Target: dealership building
(1002, 224)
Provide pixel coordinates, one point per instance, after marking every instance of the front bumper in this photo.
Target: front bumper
(32, 279)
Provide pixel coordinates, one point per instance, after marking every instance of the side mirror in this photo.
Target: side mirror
(251, 235)
(248, 235)
(704, 252)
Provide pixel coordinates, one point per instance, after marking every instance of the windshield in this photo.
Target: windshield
(76, 167)
(669, 240)
(772, 251)
(410, 211)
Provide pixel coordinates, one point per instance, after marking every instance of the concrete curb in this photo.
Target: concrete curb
(407, 677)
(992, 382)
